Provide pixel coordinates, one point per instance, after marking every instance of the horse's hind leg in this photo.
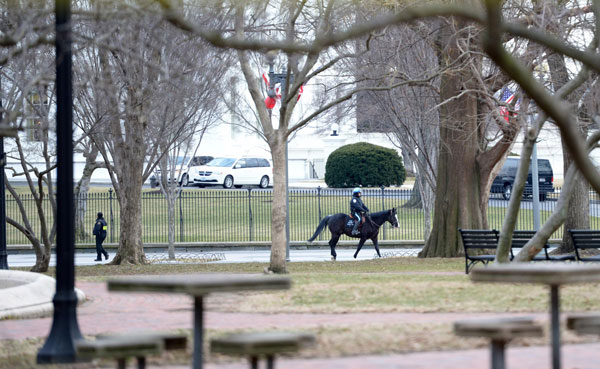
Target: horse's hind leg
(332, 242)
(360, 245)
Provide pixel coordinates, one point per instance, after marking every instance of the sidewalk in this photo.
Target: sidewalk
(105, 312)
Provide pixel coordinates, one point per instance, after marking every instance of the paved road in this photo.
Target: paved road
(261, 256)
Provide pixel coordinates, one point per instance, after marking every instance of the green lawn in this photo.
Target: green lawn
(215, 215)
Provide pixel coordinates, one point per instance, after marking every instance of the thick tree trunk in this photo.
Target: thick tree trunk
(279, 211)
(457, 188)
(578, 209)
(131, 158)
(131, 250)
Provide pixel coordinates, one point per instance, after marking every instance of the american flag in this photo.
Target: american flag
(507, 97)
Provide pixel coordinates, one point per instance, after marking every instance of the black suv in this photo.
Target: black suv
(503, 183)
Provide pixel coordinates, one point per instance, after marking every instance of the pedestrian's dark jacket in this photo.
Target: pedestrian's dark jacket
(100, 227)
(356, 205)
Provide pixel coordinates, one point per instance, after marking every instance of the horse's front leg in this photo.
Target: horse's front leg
(360, 245)
(332, 242)
(374, 239)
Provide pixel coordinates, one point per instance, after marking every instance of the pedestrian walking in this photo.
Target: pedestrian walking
(100, 233)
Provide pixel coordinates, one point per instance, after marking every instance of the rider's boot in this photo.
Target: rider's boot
(355, 231)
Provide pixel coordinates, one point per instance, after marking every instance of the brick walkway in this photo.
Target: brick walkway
(104, 312)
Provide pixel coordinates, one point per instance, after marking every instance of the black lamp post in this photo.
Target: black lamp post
(60, 344)
(3, 255)
(281, 78)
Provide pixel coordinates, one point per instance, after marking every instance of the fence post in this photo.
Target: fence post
(250, 213)
(181, 217)
(319, 202)
(383, 208)
(112, 219)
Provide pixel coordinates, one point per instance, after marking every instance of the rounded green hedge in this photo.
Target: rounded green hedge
(364, 164)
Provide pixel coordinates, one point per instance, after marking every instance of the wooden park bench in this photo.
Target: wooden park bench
(122, 347)
(256, 345)
(476, 240)
(585, 239)
(520, 238)
(499, 332)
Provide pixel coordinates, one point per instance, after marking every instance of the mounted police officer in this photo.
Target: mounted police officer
(100, 233)
(357, 209)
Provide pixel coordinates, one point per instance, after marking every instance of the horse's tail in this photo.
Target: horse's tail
(320, 228)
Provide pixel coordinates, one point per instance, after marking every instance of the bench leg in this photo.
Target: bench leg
(253, 362)
(498, 354)
(121, 363)
(270, 362)
(141, 360)
(198, 331)
(555, 324)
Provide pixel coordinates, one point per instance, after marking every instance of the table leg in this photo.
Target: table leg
(198, 331)
(555, 324)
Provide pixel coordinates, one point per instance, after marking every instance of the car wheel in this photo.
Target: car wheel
(264, 182)
(185, 181)
(228, 182)
(507, 191)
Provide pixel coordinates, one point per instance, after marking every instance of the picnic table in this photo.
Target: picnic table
(198, 286)
(552, 275)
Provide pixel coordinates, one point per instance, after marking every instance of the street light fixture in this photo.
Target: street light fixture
(282, 79)
(60, 344)
(3, 254)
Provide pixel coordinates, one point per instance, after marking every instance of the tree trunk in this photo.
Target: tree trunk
(131, 250)
(131, 158)
(279, 211)
(81, 196)
(457, 186)
(578, 209)
(171, 216)
(42, 258)
(415, 200)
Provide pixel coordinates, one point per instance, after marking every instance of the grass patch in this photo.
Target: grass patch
(385, 285)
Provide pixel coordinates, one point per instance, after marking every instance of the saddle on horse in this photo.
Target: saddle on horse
(353, 220)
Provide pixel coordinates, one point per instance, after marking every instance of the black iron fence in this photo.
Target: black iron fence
(214, 215)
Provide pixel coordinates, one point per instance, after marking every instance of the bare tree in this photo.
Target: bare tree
(145, 85)
(407, 114)
(29, 102)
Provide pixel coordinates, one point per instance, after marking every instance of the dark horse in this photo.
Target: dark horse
(338, 225)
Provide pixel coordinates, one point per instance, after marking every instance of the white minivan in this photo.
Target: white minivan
(233, 172)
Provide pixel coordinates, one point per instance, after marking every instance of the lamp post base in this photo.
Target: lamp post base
(60, 344)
